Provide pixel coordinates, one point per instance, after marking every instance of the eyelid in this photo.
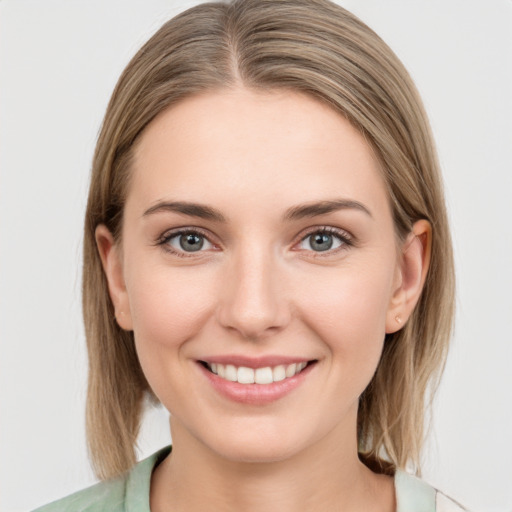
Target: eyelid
(346, 238)
(164, 238)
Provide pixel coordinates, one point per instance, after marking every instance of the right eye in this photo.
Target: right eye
(186, 241)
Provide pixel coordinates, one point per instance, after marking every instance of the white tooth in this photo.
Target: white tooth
(290, 370)
(263, 375)
(221, 370)
(245, 375)
(301, 367)
(279, 373)
(231, 373)
(213, 367)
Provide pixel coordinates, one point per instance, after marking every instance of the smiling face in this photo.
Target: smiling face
(257, 245)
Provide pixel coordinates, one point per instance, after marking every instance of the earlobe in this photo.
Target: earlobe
(412, 272)
(110, 254)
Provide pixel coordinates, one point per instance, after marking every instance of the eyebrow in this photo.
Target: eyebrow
(295, 213)
(191, 209)
(324, 207)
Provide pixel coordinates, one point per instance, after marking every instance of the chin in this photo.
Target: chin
(257, 452)
(261, 443)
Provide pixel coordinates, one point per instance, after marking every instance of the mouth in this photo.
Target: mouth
(256, 381)
(265, 375)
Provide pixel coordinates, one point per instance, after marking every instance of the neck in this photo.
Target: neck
(325, 476)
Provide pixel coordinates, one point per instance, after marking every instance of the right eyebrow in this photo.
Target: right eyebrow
(192, 209)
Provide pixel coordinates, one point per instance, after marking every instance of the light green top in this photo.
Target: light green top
(130, 493)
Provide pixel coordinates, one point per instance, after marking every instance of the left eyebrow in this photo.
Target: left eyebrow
(324, 207)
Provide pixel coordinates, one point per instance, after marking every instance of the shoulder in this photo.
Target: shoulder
(415, 495)
(104, 496)
(128, 492)
(446, 504)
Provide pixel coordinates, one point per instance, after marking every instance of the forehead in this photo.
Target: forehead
(279, 147)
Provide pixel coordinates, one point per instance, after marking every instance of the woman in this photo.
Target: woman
(267, 254)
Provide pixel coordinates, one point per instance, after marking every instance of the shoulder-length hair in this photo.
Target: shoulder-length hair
(319, 49)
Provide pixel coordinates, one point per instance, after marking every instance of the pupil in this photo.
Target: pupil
(321, 242)
(191, 242)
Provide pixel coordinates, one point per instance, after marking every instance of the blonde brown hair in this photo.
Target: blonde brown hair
(320, 49)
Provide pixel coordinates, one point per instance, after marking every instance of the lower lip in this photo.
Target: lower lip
(256, 394)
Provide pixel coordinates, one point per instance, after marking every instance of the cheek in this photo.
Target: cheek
(169, 305)
(168, 308)
(348, 311)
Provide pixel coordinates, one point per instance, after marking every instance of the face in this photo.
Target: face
(259, 271)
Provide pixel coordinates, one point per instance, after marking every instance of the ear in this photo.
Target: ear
(111, 259)
(411, 275)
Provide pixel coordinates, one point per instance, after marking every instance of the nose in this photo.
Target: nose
(253, 298)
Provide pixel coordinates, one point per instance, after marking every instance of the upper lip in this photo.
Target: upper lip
(255, 362)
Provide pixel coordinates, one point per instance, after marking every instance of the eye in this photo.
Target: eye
(188, 241)
(323, 240)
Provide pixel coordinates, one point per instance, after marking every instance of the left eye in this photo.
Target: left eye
(321, 241)
(189, 242)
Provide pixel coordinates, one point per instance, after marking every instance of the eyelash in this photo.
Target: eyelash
(343, 236)
(164, 240)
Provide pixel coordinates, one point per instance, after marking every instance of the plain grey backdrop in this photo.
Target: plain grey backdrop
(59, 60)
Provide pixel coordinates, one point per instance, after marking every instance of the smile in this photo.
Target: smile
(265, 375)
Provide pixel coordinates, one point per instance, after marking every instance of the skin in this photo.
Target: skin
(257, 288)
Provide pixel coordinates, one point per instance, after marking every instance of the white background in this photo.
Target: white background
(59, 60)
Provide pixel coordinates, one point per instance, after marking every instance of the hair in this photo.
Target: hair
(317, 48)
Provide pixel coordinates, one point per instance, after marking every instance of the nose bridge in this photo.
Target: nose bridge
(253, 301)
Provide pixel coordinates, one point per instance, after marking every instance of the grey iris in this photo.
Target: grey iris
(191, 242)
(321, 242)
